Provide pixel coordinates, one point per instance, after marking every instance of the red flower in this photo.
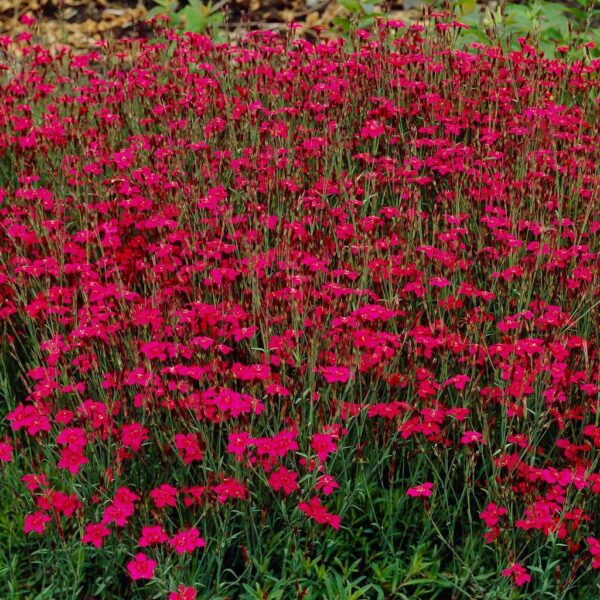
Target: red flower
(72, 458)
(492, 513)
(188, 446)
(183, 593)
(318, 512)
(36, 522)
(336, 374)
(594, 546)
(164, 495)
(421, 490)
(323, 445)
(284, 479)
(471, 437)
(133, 435)
(326, 484)
(238, 442)
(230, 488)
(141, 567)
(6, 451)
(371, 130)
(73, 436)
(518, 573)
(187, 541)
(152, 534)
(95, 534)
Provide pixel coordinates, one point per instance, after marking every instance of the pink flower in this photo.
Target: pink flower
(183, 593)
(326, 484)
(594, 546)
(518, 573)
(333, 374)
(133, 435)
(73, 437)
(188, 446)
(27, 20)
(318, 512)
(72, 458)
(439, 282)
(421, 490)
(492, 513)
(323, 445)
(371, 129)
(152, 534)
(471, 437)
(230, 488)
(164, 495)
(284, 479)
(187, 541)
(141, 567)
(6, 452)
(36, 522)
(238, 443)
(122, 507)
(95, 534)
(34, 482)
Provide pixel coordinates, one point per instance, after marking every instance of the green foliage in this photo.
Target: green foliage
(548, 25)
(195, 16)
(363, 15)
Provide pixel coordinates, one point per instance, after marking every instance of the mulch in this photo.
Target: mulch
(81, 23)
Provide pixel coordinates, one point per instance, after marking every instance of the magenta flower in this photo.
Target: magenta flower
(36, 522)
(421, 490)
(183, 593)
(152, 534)
(285, 480)
(95, 534)
(518, 573)
(6, 452)
(187, 541)
(336, 374)
(141, 567)
(471, 437)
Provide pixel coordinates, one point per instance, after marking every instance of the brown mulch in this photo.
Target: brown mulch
(81, 23)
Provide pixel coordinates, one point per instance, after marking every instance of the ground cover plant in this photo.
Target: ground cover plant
(284, 319)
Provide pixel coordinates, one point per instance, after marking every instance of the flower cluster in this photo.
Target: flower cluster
(234, 280)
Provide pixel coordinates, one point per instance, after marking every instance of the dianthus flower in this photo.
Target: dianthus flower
(164, 495)
(594, 546)
(421, 490)
(72, 458)
(518, 573)
(6, 452)
(323, 445)
(152, 534)
(285, 480)
(318, 512)
(187, 541)
(141, 567)
(95, 534)
(183, 593)
(471, 437)
(326, 484)
(230, 488)
(36, 522)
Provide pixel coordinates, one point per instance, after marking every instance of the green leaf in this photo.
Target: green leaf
(366, 23)
(367, 8)
(344, 23)
(351, 5)
(467, 6)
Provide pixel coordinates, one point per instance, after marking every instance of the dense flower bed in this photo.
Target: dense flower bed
(279, 299)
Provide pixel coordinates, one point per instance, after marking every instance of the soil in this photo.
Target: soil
(80, 23)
